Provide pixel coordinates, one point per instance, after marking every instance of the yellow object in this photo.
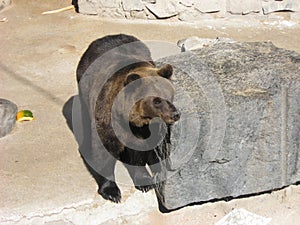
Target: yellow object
(59, 10)
(24, 115)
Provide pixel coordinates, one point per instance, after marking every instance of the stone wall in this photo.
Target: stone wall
(184, 10)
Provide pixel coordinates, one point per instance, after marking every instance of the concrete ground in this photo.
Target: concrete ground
(42, 177)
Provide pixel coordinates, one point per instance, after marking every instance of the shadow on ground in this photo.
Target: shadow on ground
(68, 114)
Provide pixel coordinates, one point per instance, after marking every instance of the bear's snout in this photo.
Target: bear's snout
(176, 116)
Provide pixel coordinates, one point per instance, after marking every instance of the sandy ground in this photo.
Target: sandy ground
(42, 177)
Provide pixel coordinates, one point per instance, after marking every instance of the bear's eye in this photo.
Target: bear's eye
(157, 101)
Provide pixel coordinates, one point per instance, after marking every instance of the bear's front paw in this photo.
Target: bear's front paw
(144, 184)
(110, 191)
(145, 188)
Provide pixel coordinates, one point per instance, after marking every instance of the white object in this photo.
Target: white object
(243, 217)
(193, 43)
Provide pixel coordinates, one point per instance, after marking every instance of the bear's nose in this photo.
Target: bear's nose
(176, 116)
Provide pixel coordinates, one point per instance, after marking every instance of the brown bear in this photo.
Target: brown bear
(127, 102)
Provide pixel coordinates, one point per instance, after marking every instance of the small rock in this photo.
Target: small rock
(285, 5)
(163, 9)
(138, 15)
(193, 43)
(129, 5)
(111, 3)
(67, 49)
(208, 6)
(242, 216)
(3, 19)
(8, 113)
(244, 7)
(88, 7)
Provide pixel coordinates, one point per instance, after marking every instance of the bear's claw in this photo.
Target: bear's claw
(111, 193)
(145, 188)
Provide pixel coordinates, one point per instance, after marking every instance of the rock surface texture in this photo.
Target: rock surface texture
(8, 112)
(240, 126)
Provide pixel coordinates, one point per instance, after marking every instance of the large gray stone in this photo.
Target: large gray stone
(239, 133)
(8, 113)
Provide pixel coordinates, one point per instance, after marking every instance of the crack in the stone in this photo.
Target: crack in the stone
(220, 161)
(49, 214)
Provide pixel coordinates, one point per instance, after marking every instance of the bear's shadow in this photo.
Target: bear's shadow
(67, 113)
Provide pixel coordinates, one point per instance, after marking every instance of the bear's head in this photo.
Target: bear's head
(152, 95)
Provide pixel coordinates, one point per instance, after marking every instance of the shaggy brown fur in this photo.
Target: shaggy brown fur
(136, 78)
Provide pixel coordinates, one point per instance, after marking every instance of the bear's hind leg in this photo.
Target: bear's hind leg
(108, 188)
(141, 178)
(135, 162)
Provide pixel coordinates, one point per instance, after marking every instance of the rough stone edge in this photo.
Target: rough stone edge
(8, 115)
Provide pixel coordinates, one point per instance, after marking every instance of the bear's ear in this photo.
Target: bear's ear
(132, 77)
(166, 71)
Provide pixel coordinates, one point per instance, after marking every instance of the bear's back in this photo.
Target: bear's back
(103, 45)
